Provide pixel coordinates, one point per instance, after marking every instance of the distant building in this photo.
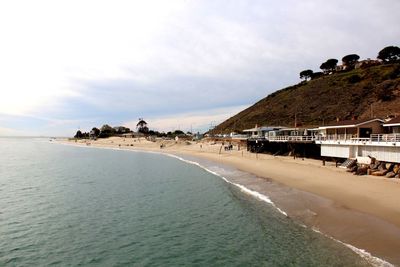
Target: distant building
(121, 130)
(198, 136)
(93, 134)
(367, 63)
(132, 135)
(261, 132)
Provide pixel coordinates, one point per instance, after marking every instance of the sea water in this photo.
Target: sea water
(76, 206)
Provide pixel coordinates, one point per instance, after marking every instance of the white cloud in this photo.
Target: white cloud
(48, 45)
(55, 56)
(195, 121)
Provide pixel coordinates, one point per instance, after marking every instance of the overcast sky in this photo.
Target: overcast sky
(177, 63)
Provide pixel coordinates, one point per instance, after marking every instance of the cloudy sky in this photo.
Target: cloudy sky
(177, 63)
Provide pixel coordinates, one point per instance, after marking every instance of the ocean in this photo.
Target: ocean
(63, 205)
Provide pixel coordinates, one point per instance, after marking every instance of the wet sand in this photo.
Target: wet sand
(363, 211)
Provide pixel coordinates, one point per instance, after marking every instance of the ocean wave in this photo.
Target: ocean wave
(242, 188)
(375, 261)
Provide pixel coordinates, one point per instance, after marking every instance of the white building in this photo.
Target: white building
(361, 138)
(261, 132)
(305, 135)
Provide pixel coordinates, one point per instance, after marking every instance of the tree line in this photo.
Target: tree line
(389, 54)
(106, 131)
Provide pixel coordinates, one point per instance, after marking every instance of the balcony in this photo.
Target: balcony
(373, 140)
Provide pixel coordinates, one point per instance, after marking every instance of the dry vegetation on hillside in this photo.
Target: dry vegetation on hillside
(360, 92)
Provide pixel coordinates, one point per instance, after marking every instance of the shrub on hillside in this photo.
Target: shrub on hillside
(385, 92)
(355, 78)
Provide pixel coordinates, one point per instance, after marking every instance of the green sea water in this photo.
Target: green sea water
(71, 206)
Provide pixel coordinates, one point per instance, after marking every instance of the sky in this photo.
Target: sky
(179, 64)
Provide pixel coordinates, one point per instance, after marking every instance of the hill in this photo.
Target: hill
(364, 93)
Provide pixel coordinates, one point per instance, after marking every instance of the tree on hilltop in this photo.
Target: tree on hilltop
(389, 54)
(106, 131)
(350, 60)
(178, 132)
(95, 131)
(329, 65)
(142, 126)
(78, 134)
(106, 128)
(306, 74)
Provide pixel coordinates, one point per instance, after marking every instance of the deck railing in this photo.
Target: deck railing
(337, 139)
(239, 136)
(373, 139)
(387, 138)
(289, 138)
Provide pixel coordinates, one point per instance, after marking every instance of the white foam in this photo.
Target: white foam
(366, 255)
(375, 261)
(241, 187)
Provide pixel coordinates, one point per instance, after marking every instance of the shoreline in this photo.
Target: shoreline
(350, 209)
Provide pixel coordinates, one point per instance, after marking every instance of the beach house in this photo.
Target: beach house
(306, 135)
(393, 126)
(346, 139)
(279, 140)
(261, 132)
(361, 138)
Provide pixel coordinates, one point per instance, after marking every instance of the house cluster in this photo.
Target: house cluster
(361, 64)
(369, 138)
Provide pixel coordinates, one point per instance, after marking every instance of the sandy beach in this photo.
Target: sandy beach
(362, 211)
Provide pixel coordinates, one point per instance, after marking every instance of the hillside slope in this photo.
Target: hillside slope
(361, 92)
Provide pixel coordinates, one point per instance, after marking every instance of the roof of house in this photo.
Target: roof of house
(348, 123)
(393, 122)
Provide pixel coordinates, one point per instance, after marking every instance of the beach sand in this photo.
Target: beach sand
(363, 211)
